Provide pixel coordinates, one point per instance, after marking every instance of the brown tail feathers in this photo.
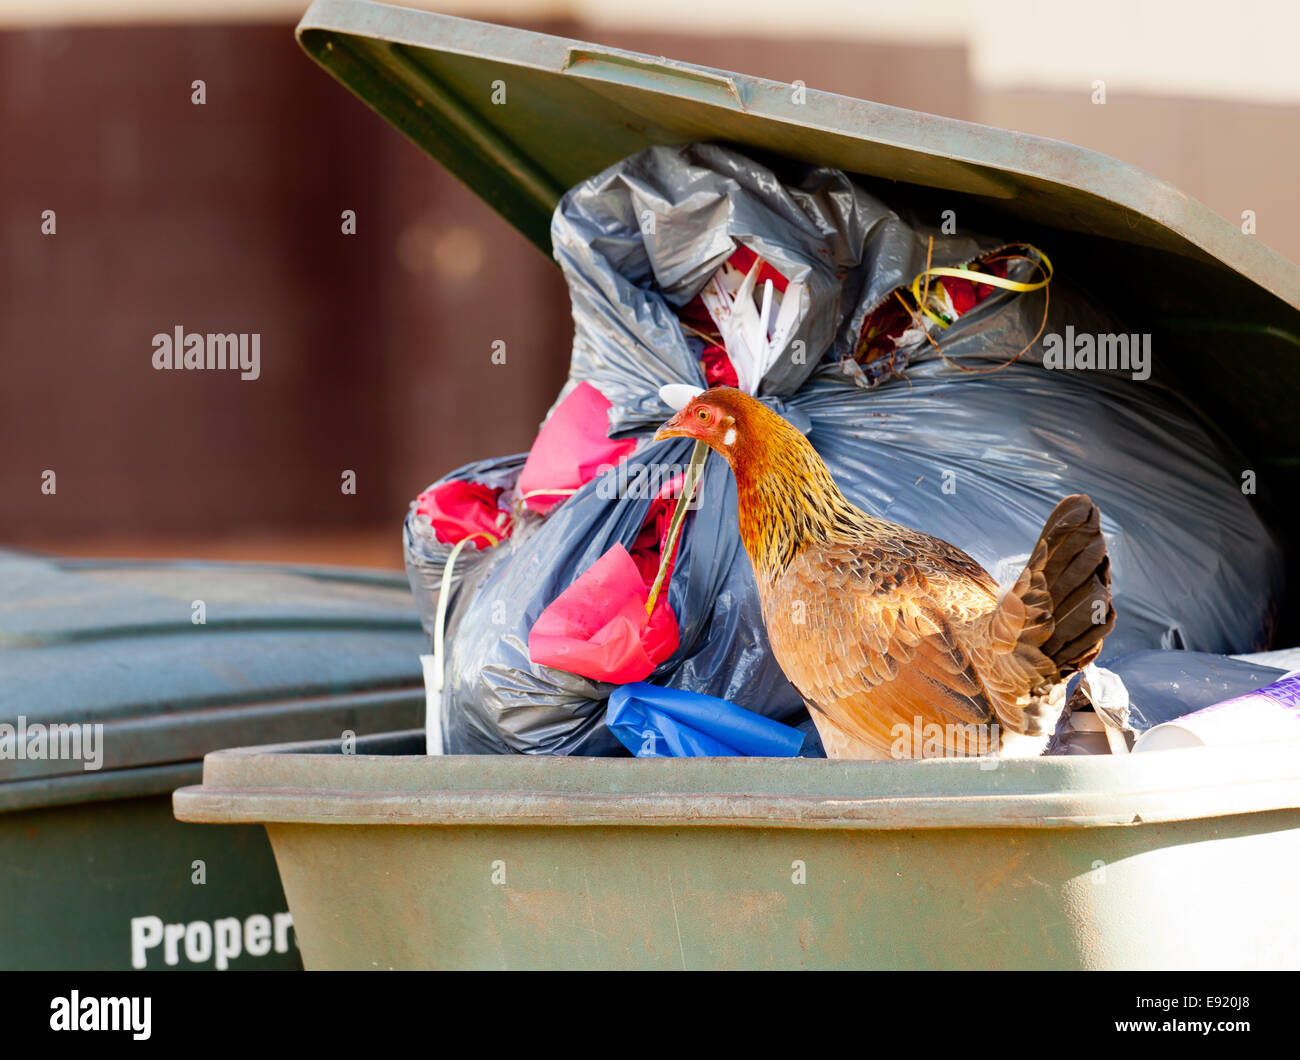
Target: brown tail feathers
(1071, 555)
(1054, 619)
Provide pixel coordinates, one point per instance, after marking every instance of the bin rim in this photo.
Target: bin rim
(312, 783)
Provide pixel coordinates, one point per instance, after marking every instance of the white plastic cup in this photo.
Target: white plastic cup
(1268, 713)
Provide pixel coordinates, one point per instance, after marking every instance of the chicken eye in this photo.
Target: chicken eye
(703, 414)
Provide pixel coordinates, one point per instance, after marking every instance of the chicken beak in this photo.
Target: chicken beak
(677, 396)
(674, 428)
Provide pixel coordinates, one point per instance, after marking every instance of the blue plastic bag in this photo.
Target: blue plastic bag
(655, 722)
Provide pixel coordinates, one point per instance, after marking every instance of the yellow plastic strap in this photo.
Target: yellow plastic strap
(985, 278)
(692, 478)
(444, 598)
(546, 493)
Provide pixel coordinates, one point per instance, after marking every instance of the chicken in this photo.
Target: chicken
(899, 643)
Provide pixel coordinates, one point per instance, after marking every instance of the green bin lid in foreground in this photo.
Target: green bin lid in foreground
(281, 654)
(1166, 263)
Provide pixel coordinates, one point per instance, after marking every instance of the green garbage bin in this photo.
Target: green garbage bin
(115, 679)
(1175, 860)
(1179, 859)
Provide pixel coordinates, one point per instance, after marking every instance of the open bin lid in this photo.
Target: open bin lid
(283, 653)
(1227, 303)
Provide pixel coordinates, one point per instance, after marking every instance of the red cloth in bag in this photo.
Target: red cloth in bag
(459, 510)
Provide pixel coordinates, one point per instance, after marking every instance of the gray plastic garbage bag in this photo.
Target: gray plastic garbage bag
(976, 459)
(498, 700)
(426, 555)
(1165, 685)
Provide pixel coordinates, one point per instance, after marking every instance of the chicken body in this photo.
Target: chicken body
(899, 643)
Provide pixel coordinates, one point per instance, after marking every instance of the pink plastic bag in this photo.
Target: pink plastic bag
(598, 627)
(570, 449)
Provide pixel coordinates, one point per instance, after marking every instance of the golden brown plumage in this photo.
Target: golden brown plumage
(900, 643)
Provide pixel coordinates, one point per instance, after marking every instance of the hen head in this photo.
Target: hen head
(786, 496)
(728, 421)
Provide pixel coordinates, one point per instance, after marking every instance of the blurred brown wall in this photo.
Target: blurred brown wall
(225, 217)
(375, 347)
